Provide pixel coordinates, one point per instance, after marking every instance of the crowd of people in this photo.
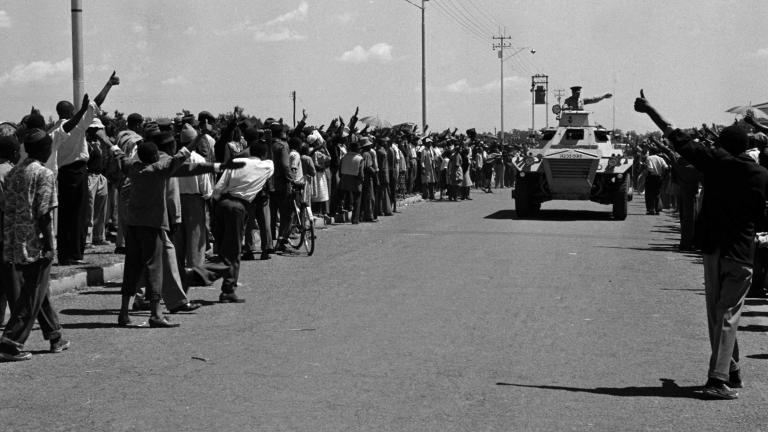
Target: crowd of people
(184, 198)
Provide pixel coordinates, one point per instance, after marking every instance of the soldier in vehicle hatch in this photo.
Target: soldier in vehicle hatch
(575, 102)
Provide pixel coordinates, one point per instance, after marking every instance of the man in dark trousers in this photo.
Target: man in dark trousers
(71, 150)
(734, 203)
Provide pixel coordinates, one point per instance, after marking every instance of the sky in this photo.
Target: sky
(693, 59)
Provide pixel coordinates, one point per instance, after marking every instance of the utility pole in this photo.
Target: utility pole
(500, 46)
(423, 67)
(293, 97)
(423, 73)
(78, 82)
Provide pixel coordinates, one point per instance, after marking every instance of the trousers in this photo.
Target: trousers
(190, 238)
(230, 223)
(725, 284)
(73, 204)
(259, 212)
(33, 304)
(652, 190)
(96, 213)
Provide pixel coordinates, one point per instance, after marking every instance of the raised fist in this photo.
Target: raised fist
(114, 79)
(641, 103)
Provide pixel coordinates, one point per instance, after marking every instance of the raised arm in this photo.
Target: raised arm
(112, 81)
(75, 120)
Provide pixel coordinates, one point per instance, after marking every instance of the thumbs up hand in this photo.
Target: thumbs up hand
(641, 103)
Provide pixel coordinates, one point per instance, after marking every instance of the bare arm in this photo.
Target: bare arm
(112, 81)
(72, 122)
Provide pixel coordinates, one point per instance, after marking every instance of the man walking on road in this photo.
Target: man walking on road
(733, 204)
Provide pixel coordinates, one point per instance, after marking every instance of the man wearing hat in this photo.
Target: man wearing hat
(369, 181)
(383, 202)
(575, 102)
(98, 147)
(126, 141)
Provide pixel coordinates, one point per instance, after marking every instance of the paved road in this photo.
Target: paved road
(447, 317)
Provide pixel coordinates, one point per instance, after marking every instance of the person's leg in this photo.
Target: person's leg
(47, 316)
(250, 230)
(274, 210)
(286, 210)
(232, 215)
(195, 231)
(262, 213)
(89, 208)
(34, 287)
(122, 214)
(172, 289)
(393, 195)
(356, 198)
(99, 210)
(726, 306)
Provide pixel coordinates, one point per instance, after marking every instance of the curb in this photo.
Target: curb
(94, 276)
(98, 276)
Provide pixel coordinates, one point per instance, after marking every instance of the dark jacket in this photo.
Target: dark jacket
(280, 156)
(734, 198)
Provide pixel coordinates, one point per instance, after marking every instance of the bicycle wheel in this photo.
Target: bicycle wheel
(296, 233)
(308, 227)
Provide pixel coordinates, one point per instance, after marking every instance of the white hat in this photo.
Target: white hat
(96, 123)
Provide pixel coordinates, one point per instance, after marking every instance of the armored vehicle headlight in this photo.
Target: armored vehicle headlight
(620, 176)
(612, 162)
(530, 160)
(522, 173)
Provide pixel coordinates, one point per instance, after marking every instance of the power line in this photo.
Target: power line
(464, 13)
(485, 14)
(475, 33)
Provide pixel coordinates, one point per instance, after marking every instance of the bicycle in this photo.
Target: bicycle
(302, 230)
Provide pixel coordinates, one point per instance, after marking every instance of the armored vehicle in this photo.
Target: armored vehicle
(575, 161)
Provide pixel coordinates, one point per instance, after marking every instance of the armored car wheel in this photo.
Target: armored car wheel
(620, 203)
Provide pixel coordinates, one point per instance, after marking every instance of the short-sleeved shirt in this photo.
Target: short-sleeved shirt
(30, 193)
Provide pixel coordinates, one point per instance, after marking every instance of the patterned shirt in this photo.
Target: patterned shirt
(30, 193)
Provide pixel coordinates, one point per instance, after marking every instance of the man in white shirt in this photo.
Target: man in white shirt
(656, 167)
(70, 150)
(233, 193)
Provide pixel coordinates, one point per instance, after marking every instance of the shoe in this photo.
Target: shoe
(734, 380)
(265, 256)
(717, 389)
(18, 356)
(187, 307)
(248, 256)
(161, 323)
(59, 345)
(230, 298)
(120, 250)
(125, 321)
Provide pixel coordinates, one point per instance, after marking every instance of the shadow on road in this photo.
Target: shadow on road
(100, 292)
(555, 215)
(754, 314)
(758, 356)
(91, 325)
(668, 389)
(754, 328)
(655, 247)
(89, 312)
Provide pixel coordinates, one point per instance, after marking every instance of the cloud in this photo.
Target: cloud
(381, 52)
(282, 35)
(5, 20)
(270, 31)
(762, 52)
(137, 28)
(462, 86)
(177, 80)
(190, 31)
(37, 71)
(344, 18)
(298, 14)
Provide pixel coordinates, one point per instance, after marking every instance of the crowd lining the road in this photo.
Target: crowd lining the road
(183, 199)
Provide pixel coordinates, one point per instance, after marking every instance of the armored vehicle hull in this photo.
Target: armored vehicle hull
(576, 161)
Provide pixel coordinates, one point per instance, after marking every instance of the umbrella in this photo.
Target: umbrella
(758, 112)
(375, 122)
